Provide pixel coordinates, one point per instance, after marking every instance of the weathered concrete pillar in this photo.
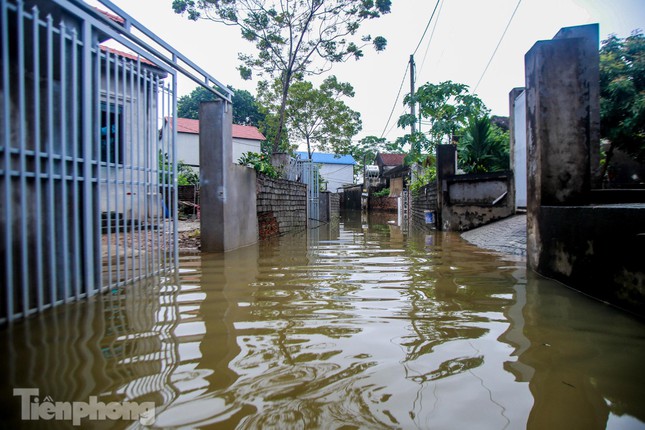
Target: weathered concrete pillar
(561, 130)
(228, 191)
(446, 166)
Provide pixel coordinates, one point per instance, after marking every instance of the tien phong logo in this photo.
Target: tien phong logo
(34, 409)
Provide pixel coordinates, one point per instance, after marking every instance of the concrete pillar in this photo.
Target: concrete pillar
(561, 129)
(227, 190)
(446, 166)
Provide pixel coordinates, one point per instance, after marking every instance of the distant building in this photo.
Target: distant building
(336, 170)
(246, 138)
(387, 162)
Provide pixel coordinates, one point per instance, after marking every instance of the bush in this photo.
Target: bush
(260, 162)
(382, 193)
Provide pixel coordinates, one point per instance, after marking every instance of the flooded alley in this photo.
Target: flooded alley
(353, 325)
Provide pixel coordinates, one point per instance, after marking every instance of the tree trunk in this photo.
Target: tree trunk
(283, 108)
(308, 148)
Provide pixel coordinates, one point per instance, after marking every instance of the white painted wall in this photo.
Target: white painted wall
(188, 148)
(519, 152)
(337, 175)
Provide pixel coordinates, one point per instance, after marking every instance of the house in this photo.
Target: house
(335, 170)
(246, 138)
(386, 162)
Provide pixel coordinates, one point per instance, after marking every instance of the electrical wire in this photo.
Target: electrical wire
(498, 43)
(427, 26)
(425, 54)
(389, 118)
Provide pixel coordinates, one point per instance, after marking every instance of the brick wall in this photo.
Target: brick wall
(281, 206)
(424, 200)
(383, 204)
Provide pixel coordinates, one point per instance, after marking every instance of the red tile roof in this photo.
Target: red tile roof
(392, 159)
(127, 55)
(110, 16)
(185, 125)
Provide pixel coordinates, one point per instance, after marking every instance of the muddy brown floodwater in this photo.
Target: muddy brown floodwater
(353, 325)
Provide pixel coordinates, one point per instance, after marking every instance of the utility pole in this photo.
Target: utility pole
(412, 106)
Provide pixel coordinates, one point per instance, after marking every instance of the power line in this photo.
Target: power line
(405, 74)
(498, 43)
(425, 54)
(427, 26)
(407, 68)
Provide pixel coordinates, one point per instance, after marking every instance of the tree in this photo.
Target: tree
(622, 94)
(245, 109)
(320, 117)
(289, 35)
(447, 106)
(484, 147)
(365, 151)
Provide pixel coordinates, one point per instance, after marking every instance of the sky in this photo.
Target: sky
(457, 46)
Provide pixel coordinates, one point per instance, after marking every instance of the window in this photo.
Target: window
(111, 134)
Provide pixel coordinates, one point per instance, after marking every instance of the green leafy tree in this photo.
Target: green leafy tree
(289, 35)
(447, 107)
(484, 147)
(245, 108)
(320, 117)
(365, 151)
(622, 94)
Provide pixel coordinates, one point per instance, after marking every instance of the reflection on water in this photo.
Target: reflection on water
(354, 325)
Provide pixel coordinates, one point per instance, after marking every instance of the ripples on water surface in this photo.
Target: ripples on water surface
(351, 326)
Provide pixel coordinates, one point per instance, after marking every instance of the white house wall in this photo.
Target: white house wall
(188, 148)
(337, 175)
(519, 151)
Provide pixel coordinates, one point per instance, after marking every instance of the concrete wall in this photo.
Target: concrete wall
(228, 209)
(328, 206)
(476, 199)
(597, 249)
(281, 206)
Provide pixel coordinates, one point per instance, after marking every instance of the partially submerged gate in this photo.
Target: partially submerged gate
(310, 175)
(87, 184)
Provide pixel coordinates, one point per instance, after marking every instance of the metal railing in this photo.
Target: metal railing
(88, 191)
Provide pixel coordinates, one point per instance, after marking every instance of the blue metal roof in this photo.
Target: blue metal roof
(319, 157)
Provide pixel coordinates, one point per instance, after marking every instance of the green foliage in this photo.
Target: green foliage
(447, 106)
(622, 93)
(320, 117)
(382, 193)
(246, 111)
(484, 147)
(260, 162)
(365, 151)
(186, 175)
(291, 34)
(426, 175)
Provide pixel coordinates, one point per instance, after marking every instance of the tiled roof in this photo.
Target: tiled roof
(318, 157)
(110, 16)
(185, 125)
(391, 159)
(127, 55)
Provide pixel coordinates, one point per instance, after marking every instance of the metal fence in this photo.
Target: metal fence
(310, 175)
(87, 186)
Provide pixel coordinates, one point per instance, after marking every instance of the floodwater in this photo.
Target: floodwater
(352, 326)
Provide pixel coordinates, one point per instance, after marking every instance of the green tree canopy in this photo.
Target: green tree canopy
(446, 106)
(245, 109)
(319, 116)
(622, 94)
(484, 147)
(365, 151)
(289, 35)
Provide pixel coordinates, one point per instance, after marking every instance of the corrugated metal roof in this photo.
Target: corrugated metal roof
(319, 157)
(185, 125)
